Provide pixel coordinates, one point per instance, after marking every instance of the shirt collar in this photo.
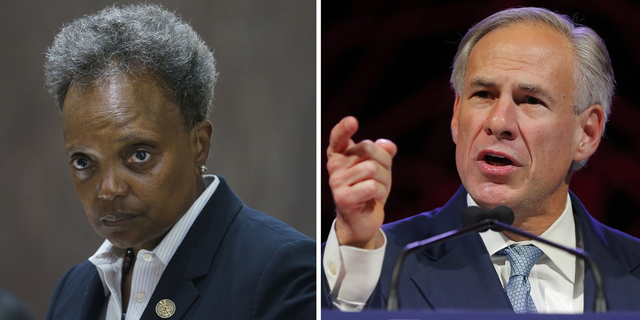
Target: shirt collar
(110, 254)
(562, 231)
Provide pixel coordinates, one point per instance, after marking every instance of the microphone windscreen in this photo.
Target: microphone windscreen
(472, 215)
(503, 214)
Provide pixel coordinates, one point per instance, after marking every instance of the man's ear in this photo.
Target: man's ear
(454, 119)
(588, 135)
(202, 141)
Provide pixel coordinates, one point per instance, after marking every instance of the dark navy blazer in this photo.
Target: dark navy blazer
(459, 274)
(234, 263)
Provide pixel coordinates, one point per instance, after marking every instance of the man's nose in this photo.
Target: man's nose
(502, 120)
(111, 185)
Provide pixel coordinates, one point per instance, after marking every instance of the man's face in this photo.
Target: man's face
(133, 163)
(514, 126)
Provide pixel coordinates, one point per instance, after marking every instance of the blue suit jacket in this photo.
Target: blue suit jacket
(459, 274)
(234, 263)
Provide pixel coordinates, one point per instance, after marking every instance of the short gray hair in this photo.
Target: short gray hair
(594, 74)
(143, 39)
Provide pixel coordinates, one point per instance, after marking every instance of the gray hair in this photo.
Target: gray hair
(143, 39)
(593, 76)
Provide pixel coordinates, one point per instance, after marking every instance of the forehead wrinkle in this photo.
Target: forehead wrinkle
(136, 136)
(107, 121)
(534, 88)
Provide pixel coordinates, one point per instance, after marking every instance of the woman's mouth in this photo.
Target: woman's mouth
(117, 220)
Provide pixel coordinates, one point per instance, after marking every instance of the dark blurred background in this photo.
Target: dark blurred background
(263, 142)
(388, 64)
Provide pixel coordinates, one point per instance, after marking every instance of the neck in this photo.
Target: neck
(539, 218)
(535, 225)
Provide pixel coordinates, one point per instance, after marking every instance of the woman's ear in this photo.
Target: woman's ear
(202, 142)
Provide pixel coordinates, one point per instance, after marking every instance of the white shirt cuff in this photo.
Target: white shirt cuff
(352, 273)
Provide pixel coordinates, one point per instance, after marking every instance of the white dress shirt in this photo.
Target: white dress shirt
(556, 279)
(352, 273)
(557, 284)
(149, 265)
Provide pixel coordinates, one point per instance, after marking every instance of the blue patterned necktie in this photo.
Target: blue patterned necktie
(522, 259)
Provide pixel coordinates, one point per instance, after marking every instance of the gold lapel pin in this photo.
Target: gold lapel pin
(165, 308)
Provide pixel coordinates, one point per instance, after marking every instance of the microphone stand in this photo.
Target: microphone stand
(600, 302)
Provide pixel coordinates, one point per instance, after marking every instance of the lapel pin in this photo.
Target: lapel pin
(165, 308)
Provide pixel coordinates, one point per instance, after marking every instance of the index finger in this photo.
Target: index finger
(341, 134)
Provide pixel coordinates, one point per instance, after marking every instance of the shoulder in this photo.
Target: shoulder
(428, 224)
(609, 247)
(617, 243)
(76, 276)
(228, 214)
(70, 291)
(286, 260)
(266, 225)
(414, 228)
(627, 240)
(266, 241)
(614, 241)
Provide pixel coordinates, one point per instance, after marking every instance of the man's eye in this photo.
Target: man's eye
(80, 163)
(532, 100)
(482, 94)
(139, 157)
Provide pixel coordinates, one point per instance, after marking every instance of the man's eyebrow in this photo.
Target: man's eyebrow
(528, 87)
(482, 83)
(537, 89)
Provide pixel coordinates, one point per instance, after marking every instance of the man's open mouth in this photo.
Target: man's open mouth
(495, 160)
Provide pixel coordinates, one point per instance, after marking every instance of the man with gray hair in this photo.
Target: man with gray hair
(134, 86)
(533, 93)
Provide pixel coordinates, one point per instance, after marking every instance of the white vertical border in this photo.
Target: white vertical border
(318, 157)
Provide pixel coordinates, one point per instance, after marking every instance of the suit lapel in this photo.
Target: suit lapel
(614, 259)
(457, 274)
(196, 253)
(463, 278)
(94, 298)
(177, 288)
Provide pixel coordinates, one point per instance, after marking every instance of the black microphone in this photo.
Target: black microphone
(497, 219)
(472, 215)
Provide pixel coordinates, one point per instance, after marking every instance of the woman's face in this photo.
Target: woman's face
(133, 162)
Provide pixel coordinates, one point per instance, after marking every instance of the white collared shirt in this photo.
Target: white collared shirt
(556, 278)
(149, 265)
(353, 273)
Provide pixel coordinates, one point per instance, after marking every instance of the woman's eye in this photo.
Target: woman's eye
(80, 163)
(139, 156)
